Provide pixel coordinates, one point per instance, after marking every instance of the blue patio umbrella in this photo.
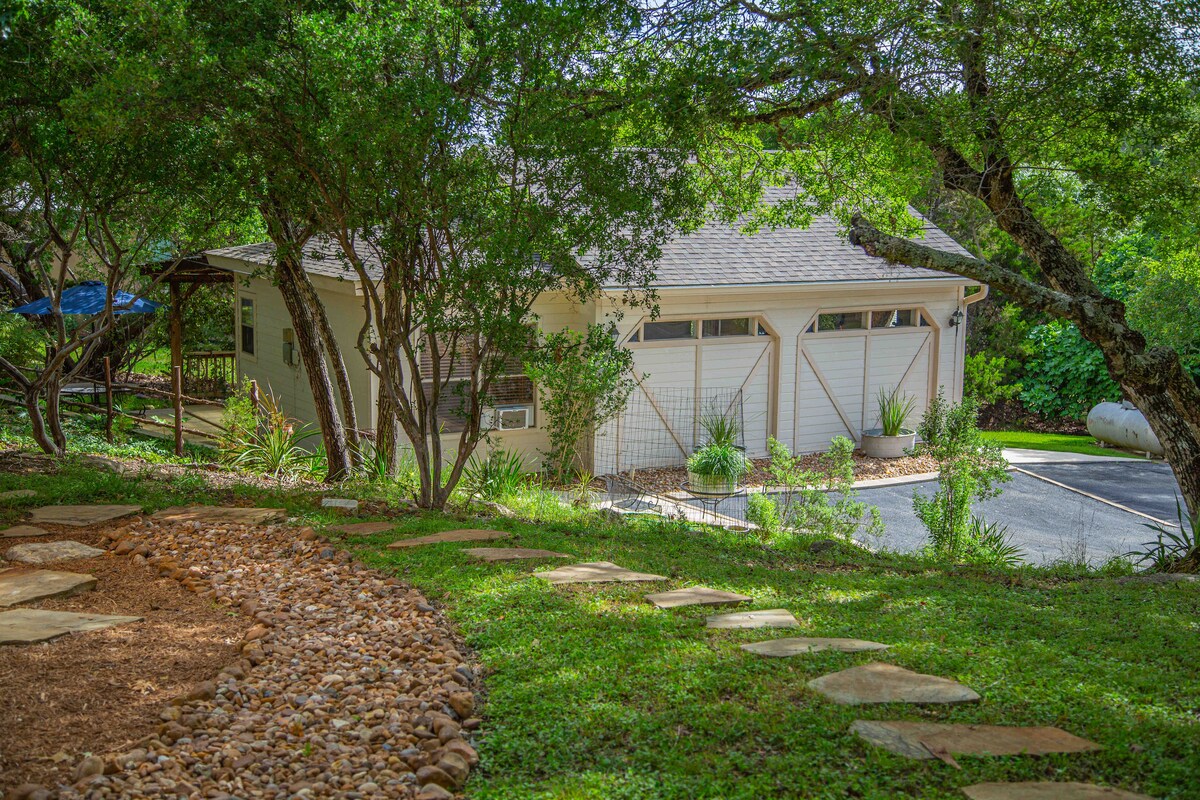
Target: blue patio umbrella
(88, 298)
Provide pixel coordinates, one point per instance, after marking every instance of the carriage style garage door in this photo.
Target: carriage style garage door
(846, 357)
(689, 367)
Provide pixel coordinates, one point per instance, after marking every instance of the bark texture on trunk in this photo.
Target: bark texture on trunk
(312, 355)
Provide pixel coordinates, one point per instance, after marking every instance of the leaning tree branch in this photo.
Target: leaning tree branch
(903, 251)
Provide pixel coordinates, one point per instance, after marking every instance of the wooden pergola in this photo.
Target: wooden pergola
(183, 277)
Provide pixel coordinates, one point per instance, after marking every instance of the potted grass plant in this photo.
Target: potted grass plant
(716, 468)
(891, 439)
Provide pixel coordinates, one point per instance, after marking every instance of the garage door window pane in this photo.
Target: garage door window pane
(841, 322)
(659, 331)
(739, 326)
(899, 318)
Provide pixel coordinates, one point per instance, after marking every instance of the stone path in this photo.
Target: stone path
(770, 618)
(887, 683)
(364, 528)
(81, 516)
(596, 572)
(804, 645)
(1047, 790)
(23, 532)
(45, 552)
(43, 584)
(221, 514)
(462, 535)
(344, 503)
(696, 596)
(495, 554)
(30, 625)
(17, 494)
(926, 740)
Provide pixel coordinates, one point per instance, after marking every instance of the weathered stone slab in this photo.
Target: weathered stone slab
(696, 596)
(45, 552)
(22, 531)
(17, 494)
(927, 740)
(493, 554)
(803, 645)
(1160, 578)
(79, 516)
(218, 515)
(344, 503)
(43, 584)
(28, 625)
(771, 618)
(596, 572)
(461, 535)
(887, 683)
(1048, 790)
(364, 528)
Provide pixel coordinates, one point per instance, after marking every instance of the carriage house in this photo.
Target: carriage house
(794, 331)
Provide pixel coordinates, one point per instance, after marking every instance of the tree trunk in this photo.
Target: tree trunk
(304, 325)
(387, 434)
(333, 352)
(44, 439)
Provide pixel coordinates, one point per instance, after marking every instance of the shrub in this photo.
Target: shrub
(986, 378)
(806, 495)
(583, 381)
(719, 460)
(761, 510)
(265, 440)
(970, 469)
(1065, 374)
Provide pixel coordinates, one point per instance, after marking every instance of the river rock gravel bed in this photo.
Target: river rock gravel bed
(349, 685)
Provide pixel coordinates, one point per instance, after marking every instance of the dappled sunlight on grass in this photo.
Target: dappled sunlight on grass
(607, 689)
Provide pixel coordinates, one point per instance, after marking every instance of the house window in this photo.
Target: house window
(662, 331)
(853, 321)
(737, 326)
(510, 400)
(898, 318)
(247, 325)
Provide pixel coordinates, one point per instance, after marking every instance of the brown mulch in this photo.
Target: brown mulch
(103, 691)
(669, 479)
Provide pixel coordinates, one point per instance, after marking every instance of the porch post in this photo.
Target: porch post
(176, 326)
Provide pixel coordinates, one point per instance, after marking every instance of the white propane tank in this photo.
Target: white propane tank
(1121, 424)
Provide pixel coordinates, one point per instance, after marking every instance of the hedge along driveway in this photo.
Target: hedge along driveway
(594, 693)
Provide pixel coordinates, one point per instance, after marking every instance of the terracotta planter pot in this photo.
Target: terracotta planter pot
(876, 445)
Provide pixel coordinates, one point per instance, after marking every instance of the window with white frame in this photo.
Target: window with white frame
(888, 319)
(698, 328)
(510, 398)
(246, 323)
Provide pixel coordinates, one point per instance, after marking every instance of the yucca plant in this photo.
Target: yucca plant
(497, 475)
(1171, 550)
(894, 410)
(275, 449)
(993, 545)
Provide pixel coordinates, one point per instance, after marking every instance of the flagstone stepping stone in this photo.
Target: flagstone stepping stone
(596, 572)
(79, 516)
(344, 503)
(22, 531)
(29, 625)
(17, 494)
(45, 552)
(364, 528)
(42, 584)
(696, 596)
(1048, 790)
(803, 645)
(510, 553)
(221, 515)
(926, 740)
(461, 535)
(771, 618)
(887, 683)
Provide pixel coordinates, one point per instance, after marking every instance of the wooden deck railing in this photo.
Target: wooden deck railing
(209, 374)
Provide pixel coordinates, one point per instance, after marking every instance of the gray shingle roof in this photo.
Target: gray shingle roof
(718, 254)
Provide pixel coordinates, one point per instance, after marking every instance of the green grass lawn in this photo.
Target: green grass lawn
(593, 693)
(1056, 442)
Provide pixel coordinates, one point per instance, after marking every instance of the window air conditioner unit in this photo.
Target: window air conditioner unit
(507, 418)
